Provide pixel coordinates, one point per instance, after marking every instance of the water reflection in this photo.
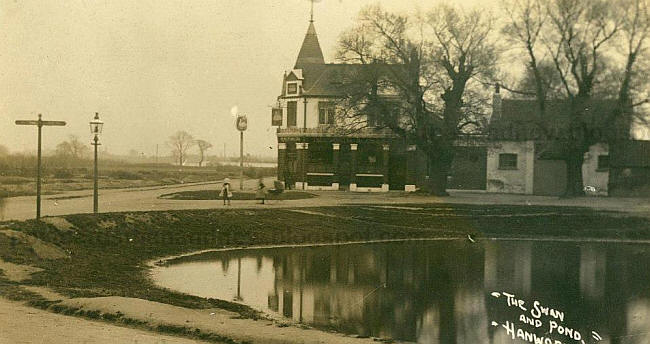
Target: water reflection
(433, 292)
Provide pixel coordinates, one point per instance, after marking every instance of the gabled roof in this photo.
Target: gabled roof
(295, 74)
(331, 79)
(310, 51)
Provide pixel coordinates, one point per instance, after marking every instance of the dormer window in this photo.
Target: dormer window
(292, 88)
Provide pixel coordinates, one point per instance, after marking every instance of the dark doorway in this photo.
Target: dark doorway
(397, 171)
(345, 165)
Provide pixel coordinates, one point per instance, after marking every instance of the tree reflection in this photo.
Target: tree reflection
(439, 292)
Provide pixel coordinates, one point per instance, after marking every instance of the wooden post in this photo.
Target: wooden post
(353, 171)
(38, 170)
(39, 123)
(241, 160)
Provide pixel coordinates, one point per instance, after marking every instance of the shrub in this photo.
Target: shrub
(122, 174)
(63, 173)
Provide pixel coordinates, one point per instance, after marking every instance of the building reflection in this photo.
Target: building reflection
(439, 292)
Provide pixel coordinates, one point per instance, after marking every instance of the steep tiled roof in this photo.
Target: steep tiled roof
(310, 51)
(331, 79)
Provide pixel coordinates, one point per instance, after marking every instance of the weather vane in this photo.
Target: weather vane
(311, 12)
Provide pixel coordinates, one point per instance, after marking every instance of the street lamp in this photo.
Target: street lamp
(96, 126)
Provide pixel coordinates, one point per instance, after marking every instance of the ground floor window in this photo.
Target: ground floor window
(507, 161)
(369, 156)
(320, 152)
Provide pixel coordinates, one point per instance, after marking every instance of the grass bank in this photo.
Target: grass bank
(236, 195)
(108, 252)
(23, 182)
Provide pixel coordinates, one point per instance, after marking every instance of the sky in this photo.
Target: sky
(153, 67)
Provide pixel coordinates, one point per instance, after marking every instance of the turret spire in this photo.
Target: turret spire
(310, 51)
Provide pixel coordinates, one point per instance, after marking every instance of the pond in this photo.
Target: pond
(438, 291)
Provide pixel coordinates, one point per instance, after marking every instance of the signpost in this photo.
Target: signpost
(39, 123)
(276, 117)
(242, 125)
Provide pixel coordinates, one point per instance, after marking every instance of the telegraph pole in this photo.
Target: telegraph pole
(39, 123)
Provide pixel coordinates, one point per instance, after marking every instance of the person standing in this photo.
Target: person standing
(260, 195)
(226, 193)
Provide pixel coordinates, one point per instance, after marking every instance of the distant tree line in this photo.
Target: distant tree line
(182, 141)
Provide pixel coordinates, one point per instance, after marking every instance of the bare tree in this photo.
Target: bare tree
(524, 28)
(72, 148)
(580, 37)
(635, 29)
(180, 142)
(415, 77)
(203, 147)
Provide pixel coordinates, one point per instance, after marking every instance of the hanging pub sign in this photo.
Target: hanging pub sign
(276, 116)
(242, 123)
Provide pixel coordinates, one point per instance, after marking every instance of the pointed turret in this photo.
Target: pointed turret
(310, 52)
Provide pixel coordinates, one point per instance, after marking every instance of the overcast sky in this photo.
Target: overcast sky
(153, 67)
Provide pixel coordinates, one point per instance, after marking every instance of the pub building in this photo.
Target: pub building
(314, 155)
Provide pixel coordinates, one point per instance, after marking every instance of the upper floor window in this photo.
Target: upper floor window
(292, 88)
(384, 113)
(292, 114)
(326, 113)
(507, 161)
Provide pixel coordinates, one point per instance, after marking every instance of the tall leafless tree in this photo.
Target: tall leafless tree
(526, 19)
(416, 75)
(180, 142)
(580, 37)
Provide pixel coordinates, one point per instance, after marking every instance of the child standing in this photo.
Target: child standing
(225, 191)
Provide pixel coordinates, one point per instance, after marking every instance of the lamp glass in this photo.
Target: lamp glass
(96, 125)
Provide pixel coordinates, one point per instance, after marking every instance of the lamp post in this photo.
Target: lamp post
(96, 126)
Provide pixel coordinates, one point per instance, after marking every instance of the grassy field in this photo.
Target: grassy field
(15, 183)
(109, 252)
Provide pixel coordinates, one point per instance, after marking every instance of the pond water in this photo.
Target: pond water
(438, 291)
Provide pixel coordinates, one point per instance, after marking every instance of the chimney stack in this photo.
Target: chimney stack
(496, 103)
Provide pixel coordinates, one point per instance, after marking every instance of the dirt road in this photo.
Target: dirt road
(146, 199)
(22, 324)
